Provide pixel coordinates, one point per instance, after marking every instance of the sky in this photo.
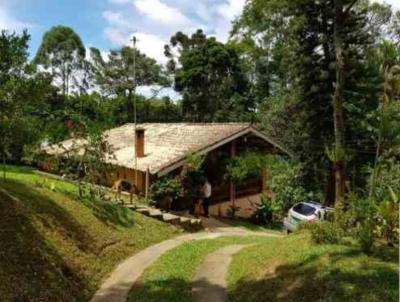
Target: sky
(108, 24)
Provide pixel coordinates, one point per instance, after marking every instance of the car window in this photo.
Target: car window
(304, 209)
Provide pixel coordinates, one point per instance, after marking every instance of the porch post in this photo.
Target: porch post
(232, 189)
(264, 185)
(147, 185)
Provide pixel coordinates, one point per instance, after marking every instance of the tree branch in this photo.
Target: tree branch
(350, 7)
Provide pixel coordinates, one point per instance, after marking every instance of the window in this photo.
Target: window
(304, 209)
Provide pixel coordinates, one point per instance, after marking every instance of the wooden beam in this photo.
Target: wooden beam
(147, 185)
(232, 189)
(264, 179)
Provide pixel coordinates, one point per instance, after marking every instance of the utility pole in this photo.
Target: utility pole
(133, 40)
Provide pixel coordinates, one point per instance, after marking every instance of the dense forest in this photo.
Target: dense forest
(321, 77)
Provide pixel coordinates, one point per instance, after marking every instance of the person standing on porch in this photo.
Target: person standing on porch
(207, 190)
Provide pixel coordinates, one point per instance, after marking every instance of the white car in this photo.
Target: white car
(304, 212)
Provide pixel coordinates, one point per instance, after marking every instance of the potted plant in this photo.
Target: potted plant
(165, 191)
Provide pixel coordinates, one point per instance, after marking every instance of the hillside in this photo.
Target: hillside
(57, 248)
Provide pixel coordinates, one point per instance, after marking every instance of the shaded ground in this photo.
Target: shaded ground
(170, 278)
(275, 269)
(57, 248)
(209, 283)
(296, 270)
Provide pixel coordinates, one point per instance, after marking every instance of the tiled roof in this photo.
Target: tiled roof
(165, 143)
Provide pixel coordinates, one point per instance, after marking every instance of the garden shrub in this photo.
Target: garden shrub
(265, 211)
(323, 232)
(388, 221)
(284, 178)
(368, 219)
(366, 235)
(165, 187)
(231, 211)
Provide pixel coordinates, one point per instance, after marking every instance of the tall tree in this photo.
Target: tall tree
(210, 76)
(115, 76)
(338, 120)
(21, 90)
(63, 52)
(295, 41)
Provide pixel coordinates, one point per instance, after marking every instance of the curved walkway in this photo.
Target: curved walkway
(118, 285)
(210, 281)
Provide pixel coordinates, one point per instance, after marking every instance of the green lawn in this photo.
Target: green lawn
(169, 278)
(291, 268)
(54, 247)
(294, 269)
(57, 248)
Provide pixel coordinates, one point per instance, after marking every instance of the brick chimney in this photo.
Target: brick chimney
(139, 148)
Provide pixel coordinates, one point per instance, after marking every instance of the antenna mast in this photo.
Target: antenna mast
(133, 39)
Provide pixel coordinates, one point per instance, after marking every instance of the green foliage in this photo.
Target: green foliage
(285, 179)
(384, 179)
(365, 234)
(88, 164)
(245, 166)
(323, 232)
(290, 48)
(115, 76)
(166, 187)
(232, 211)
(388, 220)
(266, 211)
(63, 52)
(64, 241)
(21, 93)
(194, 162)
(368, 219)
(210, 77)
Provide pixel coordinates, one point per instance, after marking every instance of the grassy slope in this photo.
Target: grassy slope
(56, 248)
(169, 279)
(296, 270)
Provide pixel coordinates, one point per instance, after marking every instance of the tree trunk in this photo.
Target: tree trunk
(4, 167)
(338, 102)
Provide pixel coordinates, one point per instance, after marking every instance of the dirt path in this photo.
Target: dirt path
(209, 283)
(118, 285)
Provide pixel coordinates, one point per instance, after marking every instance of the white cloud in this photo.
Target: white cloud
(116, 19)
(157, 91)
(116, 35)
(161, 12)
(152, 46)
(226, 13)
(231, 9)
(153, 22)
(9, 22)
(394, 3)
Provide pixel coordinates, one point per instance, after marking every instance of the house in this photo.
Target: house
(161, 149)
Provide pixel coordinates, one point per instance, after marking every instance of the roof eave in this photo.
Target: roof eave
(250, 129)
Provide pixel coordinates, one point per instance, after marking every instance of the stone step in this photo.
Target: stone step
(189, 224)
(131, 206)
(184, 220)
(144, 211)
(142, 206)
(155, 213)
(195, 221)
(170, 218)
